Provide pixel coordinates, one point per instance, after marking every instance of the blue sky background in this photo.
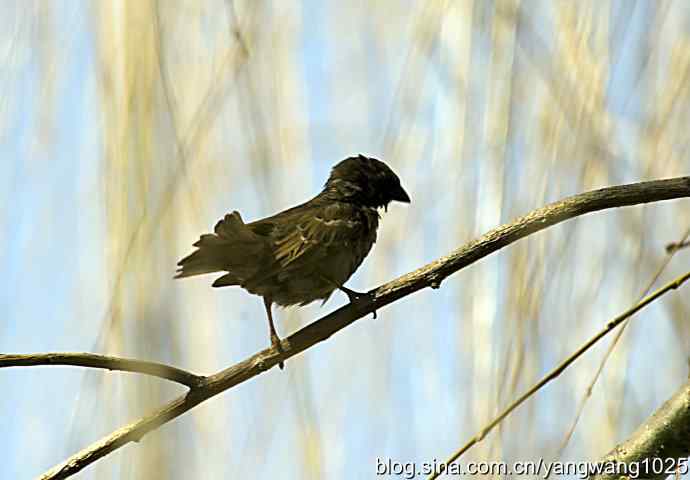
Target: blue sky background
(486, 110)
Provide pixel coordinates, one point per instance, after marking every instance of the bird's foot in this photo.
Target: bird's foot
(354, 296)
(275, 343)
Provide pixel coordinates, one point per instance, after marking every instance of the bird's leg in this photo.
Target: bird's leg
(352, 295)
(275, 340)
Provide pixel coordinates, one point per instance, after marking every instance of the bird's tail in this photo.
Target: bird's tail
(233, 247)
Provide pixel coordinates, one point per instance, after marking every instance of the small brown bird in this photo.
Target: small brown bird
(306, 252)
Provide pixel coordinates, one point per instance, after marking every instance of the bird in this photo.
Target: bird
(306, 252)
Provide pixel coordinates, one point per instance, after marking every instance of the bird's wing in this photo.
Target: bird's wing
(307, 235)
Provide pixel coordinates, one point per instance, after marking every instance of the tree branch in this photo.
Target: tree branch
(430, 275)
(673, 247)
(656, 447)
(92, 360)
(556, 372)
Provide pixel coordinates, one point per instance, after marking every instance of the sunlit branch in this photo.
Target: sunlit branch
(430, 275)
(553, 374)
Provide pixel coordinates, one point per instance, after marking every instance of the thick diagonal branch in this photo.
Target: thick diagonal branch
(657, 447)
(430, 275)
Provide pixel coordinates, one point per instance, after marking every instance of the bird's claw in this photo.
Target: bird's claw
(275, 343)
(355, 296)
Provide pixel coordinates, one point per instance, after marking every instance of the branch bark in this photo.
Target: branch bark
(92, 360)
(430, 275)
(657, 447)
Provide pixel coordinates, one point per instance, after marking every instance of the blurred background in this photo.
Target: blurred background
(128, 128)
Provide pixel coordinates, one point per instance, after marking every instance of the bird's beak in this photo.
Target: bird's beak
(401, 195)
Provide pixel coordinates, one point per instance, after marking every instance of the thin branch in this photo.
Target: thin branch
(92, 360)
(553, 374)
(614, 343)
(674, 247)
(430, 275)
(658, 446)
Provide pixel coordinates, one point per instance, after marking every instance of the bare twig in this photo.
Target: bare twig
(674, 247)
(430, 275)
(553, 374)
(92, 360)
(614, 343)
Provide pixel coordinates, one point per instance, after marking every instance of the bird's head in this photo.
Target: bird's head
(365, 181)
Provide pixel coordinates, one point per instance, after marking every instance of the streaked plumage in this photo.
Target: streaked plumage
(306, 252)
